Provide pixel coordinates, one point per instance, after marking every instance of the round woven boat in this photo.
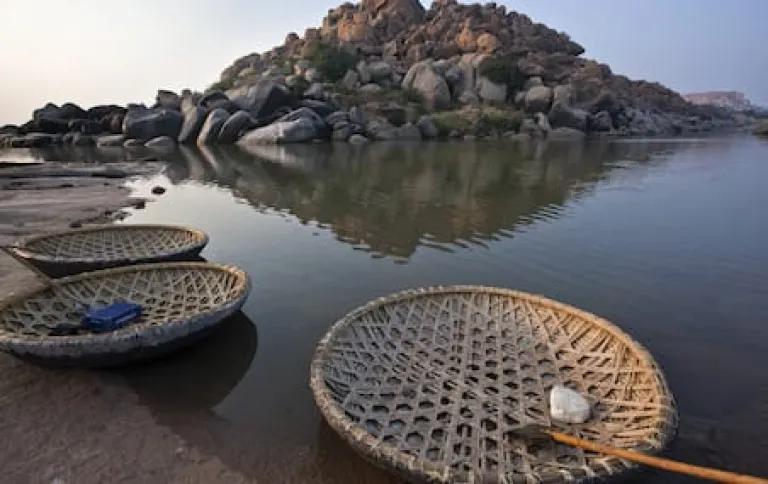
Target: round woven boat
(431, 385)
(182, 302)
(67, 252)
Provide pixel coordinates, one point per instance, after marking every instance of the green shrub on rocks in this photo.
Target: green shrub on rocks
(332, 62)
(460, 121)
(500, 121)
(222, 85)
(477, 121)
(503, 70)
(413, 95)
(298, 87)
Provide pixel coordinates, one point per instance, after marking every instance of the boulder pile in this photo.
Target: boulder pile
(391, 69)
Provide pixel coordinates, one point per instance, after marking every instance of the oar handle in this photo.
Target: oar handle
(658, 462)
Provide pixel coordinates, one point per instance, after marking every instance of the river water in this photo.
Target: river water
(666, 238)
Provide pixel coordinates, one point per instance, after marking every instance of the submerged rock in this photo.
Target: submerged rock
(110, 140)
(161, 143)
(281, 132)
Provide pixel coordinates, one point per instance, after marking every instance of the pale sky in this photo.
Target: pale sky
(104, 51)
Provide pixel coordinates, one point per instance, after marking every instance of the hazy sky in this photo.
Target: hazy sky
(102, 51)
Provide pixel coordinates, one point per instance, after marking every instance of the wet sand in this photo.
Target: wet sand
(76, 426)
(35, 198)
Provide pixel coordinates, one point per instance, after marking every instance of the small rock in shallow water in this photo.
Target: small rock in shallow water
(357, 139)
(568, 406)
(158, 190)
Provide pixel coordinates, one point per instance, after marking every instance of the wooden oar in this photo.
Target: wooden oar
(538, 433)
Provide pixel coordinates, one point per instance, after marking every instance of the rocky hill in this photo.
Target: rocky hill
(734, 100)
(391, 69)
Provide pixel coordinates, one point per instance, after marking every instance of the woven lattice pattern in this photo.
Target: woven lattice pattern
(118, 242)
(178, 298)
(431, 384)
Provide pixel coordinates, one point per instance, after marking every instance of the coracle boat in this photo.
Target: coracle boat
(433, 385)
(69, 252)
(180, 303)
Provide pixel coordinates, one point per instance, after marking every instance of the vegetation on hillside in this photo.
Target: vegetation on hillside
(221, 85)
(503, 70)
(332, 62)
(483, 121)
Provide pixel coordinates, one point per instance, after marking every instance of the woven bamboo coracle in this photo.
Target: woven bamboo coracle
(181, 301)
(77, 250)
(431, 384)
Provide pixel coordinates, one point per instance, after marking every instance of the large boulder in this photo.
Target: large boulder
(408, 11)
(190, 100)
(144, 124)
(357, 116)
(306, 113)
(50, 110)
(281, 132)
(363, 72)
(355, 28)
(351, 80)
(104, 110)
(235, 126)
(563, 116)
(538, 99)
(87, 126)
(380, 70)
(342, 132)
(606, 100)
(9, 129)
(488, 43)
(562, 94)
(72, 111)
(261, 99)
(432, 86)
(194, 118)
(601, 122)
(168, 100)
(491, 91)
(218, 100)
(320, 107)
(427, 128)
(209, 133)
(51, 125)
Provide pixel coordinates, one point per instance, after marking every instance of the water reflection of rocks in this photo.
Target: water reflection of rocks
(201, 376)
(390, 199)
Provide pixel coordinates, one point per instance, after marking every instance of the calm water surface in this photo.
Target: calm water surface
(667, 238)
